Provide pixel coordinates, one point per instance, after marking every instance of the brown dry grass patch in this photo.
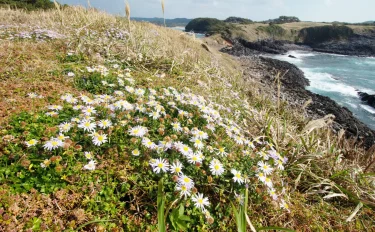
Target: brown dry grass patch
(30, 67)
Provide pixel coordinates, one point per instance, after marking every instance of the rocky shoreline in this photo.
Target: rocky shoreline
(264, 69)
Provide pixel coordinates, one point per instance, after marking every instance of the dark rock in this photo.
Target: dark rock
(369, 99)
(292, 56)
(290, 76)
(357, 45)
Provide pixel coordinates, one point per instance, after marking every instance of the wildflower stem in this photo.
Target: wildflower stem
(161, 205)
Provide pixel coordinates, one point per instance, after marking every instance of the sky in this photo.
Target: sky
(258, 10)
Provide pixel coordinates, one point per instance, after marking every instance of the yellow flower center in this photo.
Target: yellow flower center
(54, 143)
(160, 165)
(200, 201)
(178, 169)
(186, 180)
(216, 167)
(238, 175)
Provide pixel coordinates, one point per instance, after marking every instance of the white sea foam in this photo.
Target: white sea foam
(368, 108)
(327, 83)
(352, 105)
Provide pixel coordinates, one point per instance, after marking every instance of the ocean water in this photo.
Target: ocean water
(197, 35)
(340, 78)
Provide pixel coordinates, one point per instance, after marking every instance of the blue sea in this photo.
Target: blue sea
(197, 35)
(340, 78)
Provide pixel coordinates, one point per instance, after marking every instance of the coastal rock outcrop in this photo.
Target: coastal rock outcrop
(293, 89)
(294, 83)
(367, 98)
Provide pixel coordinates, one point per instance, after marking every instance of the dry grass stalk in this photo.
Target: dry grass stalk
(318, 123)
(57, 5)
(163, 9)
(127, 12)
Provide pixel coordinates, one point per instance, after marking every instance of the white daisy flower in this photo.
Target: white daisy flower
(62, 137)
(32, 95)
(216, 167)
(105, 123)
(165, 145)
(65, 127)
(89, 110)
(176, 126)
(88, 155)
(136, 152)
(176, 168)
(200, 134)
(280, 164)
(268, 182)
(154, 115)
(160, 165)
(185, 150)
(284, 205)
(55, 107)
(139, 92)
(185, 180)
(221, 151)
(52, 144)
(237, 176)
(148, 143)
(31, 142)
(200, 202)
(99, 139)
(71, 74)
(266, 168)
(194, 158)
(184, 190)
(90, 166)
(261, 176)
(197, 142)
(138, 131)
(87, 125)
(272, 193)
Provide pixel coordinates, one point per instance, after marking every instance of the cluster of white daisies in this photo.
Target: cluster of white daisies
(195, 147)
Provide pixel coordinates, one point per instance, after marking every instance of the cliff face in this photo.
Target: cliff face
(315, 35)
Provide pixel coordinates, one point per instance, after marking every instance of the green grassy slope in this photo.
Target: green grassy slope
(95, 109)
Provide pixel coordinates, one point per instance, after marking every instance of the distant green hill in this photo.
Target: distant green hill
(283, 19)
(28, 4)
(238, 20)
(182, 22)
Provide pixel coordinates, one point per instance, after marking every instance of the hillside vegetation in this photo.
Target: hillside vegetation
(238, 20)
(209, 26)
(114, 125)
(27, 4)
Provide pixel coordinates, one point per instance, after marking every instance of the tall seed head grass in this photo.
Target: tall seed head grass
(163, 9)
(127, 12)
(57, 5)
